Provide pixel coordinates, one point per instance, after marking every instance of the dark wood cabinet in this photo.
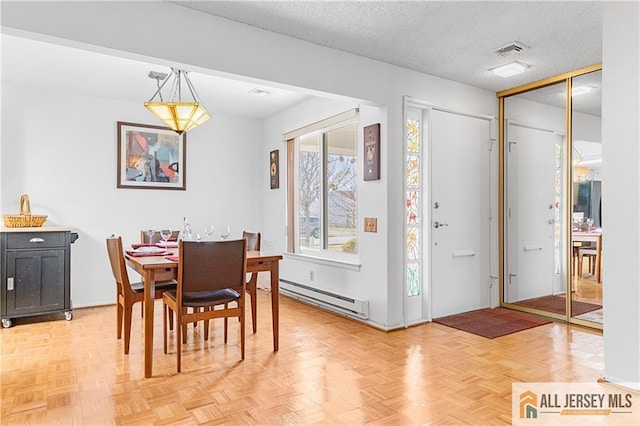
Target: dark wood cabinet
(35, 274)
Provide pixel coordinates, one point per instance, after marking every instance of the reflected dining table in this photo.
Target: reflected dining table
(594, 236)
(158, 268)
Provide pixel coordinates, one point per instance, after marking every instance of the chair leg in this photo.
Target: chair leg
(119, 313)
(164, 326)
(179, 330)
(127, 328)
(170, 318)
(226, 324)
(252, 288)
(184, 333)
(206, 327)
(242, 331)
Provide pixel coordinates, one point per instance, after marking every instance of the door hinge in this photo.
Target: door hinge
(10, 284)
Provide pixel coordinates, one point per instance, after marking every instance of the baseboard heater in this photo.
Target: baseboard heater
(332, 301)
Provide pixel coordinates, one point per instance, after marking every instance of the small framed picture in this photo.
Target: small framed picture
(372, 152)
(274, 169)
(150, 157)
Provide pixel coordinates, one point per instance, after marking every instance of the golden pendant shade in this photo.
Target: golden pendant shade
(178, 115)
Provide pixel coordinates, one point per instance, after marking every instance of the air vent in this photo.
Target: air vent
(511, 49)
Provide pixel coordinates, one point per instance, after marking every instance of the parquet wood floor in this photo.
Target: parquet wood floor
(329, 370)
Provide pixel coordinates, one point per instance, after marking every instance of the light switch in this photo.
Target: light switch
(370, 224)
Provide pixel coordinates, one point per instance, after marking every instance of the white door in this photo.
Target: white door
(531, 168)
(460, 201)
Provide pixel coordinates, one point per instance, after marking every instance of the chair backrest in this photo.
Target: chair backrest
(118, 267)
(253, 240)
(156, 238)
(212, 265)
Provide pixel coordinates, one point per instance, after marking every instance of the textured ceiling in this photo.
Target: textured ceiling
(454, 40)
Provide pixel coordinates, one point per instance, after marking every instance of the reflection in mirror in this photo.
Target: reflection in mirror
(587, 226)
(535, 140)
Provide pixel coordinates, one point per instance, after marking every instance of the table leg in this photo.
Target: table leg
(275, 301)
(149, 299)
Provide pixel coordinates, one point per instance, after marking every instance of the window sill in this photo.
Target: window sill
(352, 266)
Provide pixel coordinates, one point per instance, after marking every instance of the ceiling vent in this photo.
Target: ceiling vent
(511, 49)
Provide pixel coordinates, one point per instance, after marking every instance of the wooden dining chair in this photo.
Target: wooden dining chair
(253, 243)
(128, 293)
(210, 274)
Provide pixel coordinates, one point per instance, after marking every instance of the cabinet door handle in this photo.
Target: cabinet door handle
(10, 284)
(36, 240)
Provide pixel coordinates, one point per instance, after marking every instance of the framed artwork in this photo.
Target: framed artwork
(372, 152)
(150, 157)
(274, 169)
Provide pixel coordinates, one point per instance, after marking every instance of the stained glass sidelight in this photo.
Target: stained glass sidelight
(413, 208)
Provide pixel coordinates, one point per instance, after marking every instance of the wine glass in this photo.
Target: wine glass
(150, 231)
(224, 233)
(589, 224)
(209, 229)
(165, 233)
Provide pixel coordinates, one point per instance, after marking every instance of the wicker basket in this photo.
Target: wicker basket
(23, 220)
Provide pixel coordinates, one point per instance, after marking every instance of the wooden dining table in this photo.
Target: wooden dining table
(594, 236)
(159, 268)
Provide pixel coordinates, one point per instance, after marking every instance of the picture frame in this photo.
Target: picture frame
(150, 157)
(274, 169)
(372, 152)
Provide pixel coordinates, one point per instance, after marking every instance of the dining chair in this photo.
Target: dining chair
(591, 253)
(128, 293)
(210, 274)
(253, 243)
(155, 239)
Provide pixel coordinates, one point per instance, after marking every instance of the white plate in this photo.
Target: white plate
(148, 249)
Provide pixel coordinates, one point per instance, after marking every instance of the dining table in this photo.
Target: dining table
(154, 268)
(592, 236)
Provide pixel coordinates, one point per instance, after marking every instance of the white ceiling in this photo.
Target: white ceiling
(454, 40)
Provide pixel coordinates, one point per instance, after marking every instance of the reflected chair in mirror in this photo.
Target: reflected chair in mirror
(211, 274)
(128, 293)
(591, 253)
(156, 238)
(253, 243)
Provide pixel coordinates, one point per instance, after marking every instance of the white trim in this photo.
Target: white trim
(342, 264)
(322, 124)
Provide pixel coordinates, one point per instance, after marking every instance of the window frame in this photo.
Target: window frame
(294, 248)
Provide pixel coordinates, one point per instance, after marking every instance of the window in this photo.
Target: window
(324, 190)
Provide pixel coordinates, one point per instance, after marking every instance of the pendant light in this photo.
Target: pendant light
(177, 114)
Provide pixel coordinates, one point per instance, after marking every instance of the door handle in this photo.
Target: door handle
(36, 240)
(511, 276)
(10, 284)
(437, 224)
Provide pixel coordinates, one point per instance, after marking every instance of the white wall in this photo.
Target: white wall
(61, 150)
(247, 51)
(369, 282)
(621, 207)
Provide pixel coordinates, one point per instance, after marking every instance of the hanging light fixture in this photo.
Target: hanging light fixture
(178, 115)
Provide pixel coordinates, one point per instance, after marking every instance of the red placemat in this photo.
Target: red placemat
(138, 245)
(173, 258)
(135, 254)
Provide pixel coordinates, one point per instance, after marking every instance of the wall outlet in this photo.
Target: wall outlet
(370, 224)
(311, 275)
